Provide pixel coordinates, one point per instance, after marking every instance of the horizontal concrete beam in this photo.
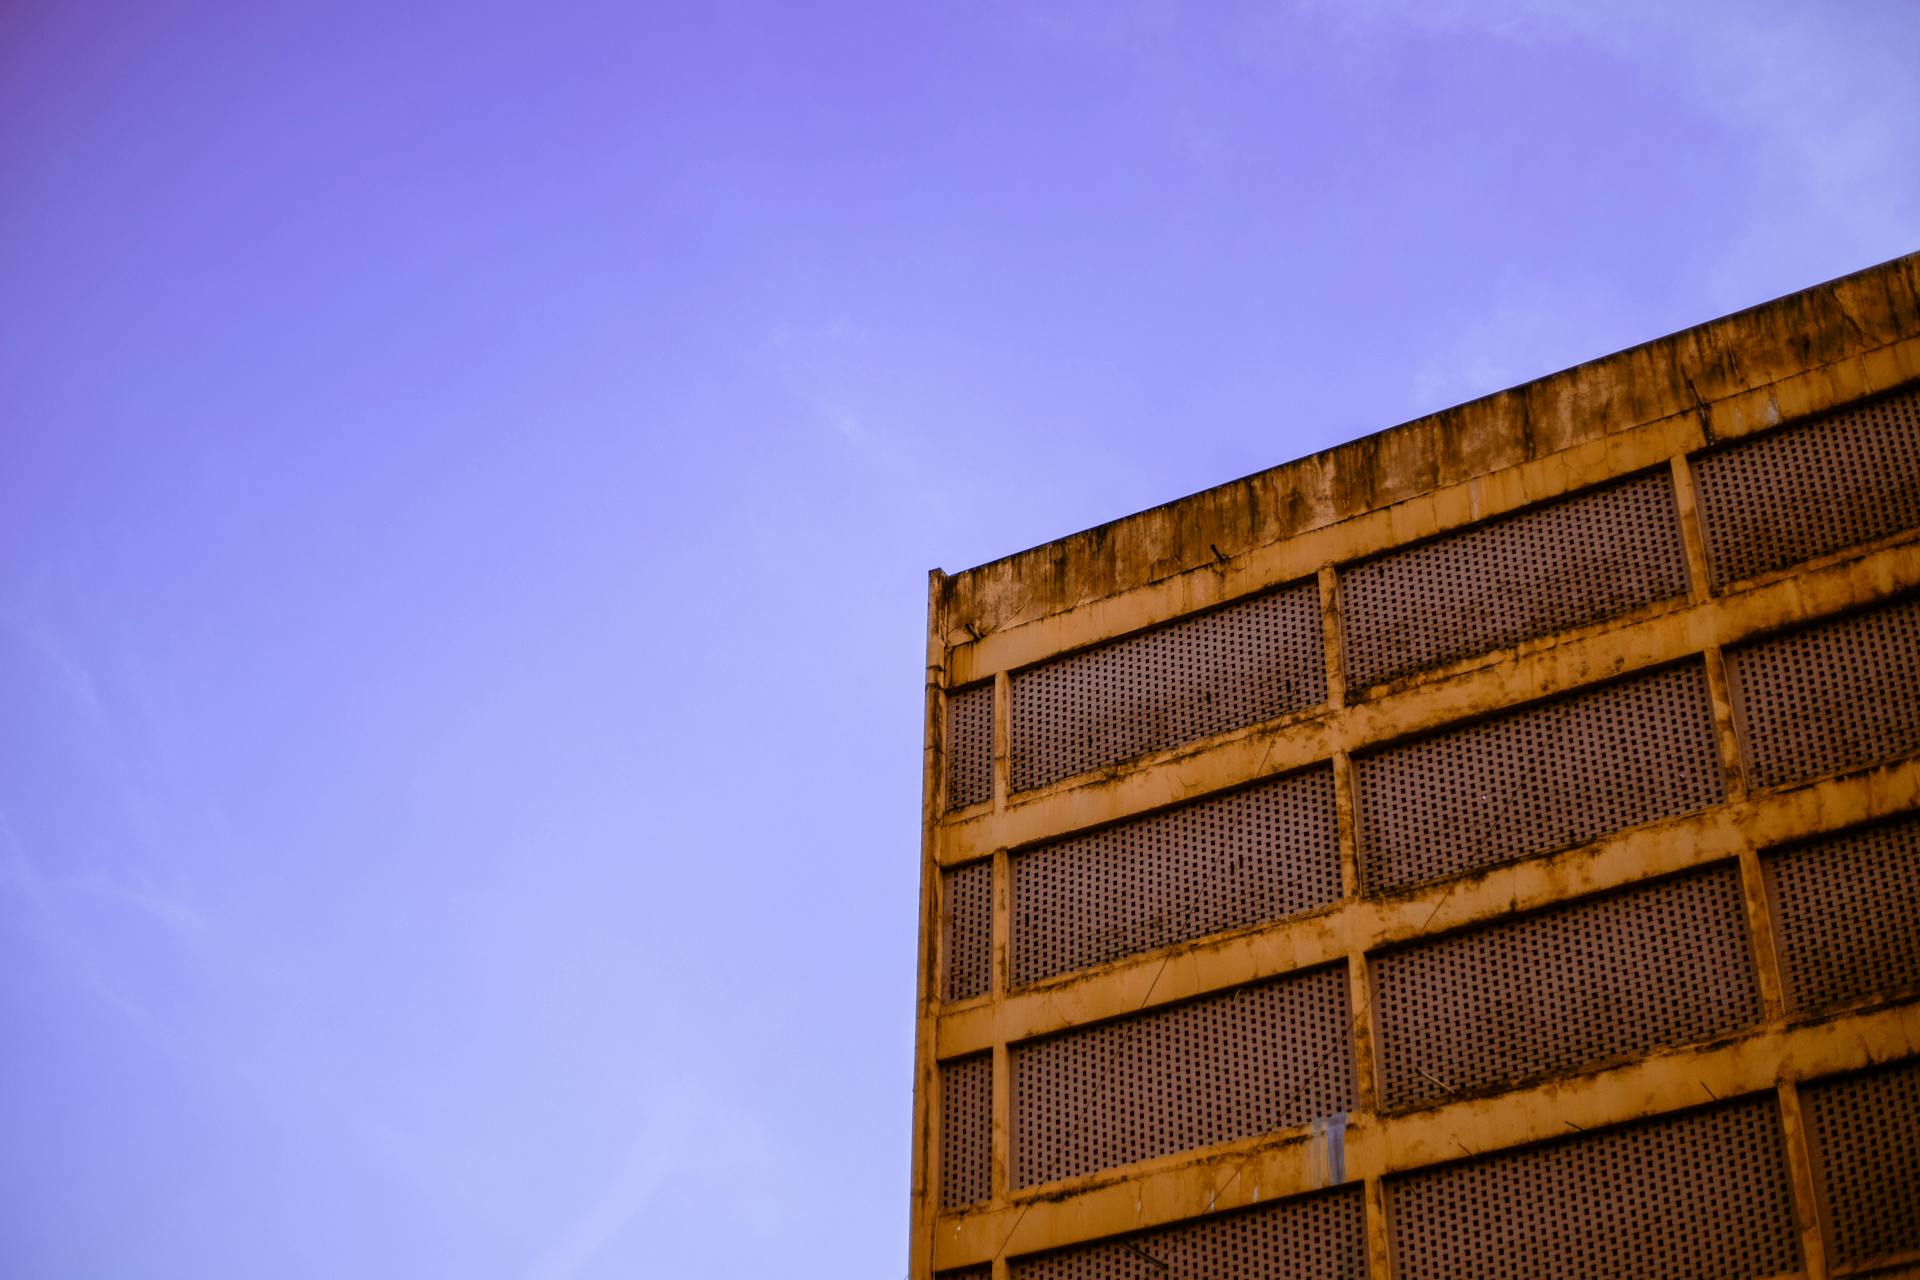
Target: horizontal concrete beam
(1506, 679)
(1301, 1160)
(1359, 925)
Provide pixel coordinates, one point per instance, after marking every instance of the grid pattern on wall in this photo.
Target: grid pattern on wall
(1233, 666)
(1319, 1237)
(1832, 696)
(1634, 1203)
(1247, 857)
(1542, 570)
(969, 746)
(1848, 912)
(968, 899)
(966, 1129)
(1537, 778)
(1671, 959)
(1786, 496)
(1865, 1134)
(1241, 1063)
(1604, 978)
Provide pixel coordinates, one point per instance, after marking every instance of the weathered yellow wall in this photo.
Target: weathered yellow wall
(1649, 406)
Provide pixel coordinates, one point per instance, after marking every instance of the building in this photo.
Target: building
(1487, 848)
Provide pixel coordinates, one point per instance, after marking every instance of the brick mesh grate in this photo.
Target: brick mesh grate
(1321, 1237)
(1665, 963)
(1865, 1133)
(1831, 697)
(1575, 561)
(1848, 912)
(1788, 496)
(969, 746)
(969, 907)
(1540, 778)
(1187, 680)
(966, 1130)
(1233, 1065)
(1251, 856)
(982, 1272)
(1699, 1195)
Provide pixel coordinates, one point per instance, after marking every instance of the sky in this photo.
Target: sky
(467, 481)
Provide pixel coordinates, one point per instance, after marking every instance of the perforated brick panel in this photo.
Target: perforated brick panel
(1832, 697)
(1667, 963)
(969, 746)
(969, 906)
(1546, 776)
(1319, 1237)
(1198, 676)
(1847, 912)
(1543, 570)
(1228, 1066)
(1251, 856)
(1700, 1195)
(1865, 1135)
(966, 1130)
(1788, 496)
(982, 1272)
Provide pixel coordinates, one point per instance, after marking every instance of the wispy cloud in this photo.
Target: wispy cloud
(78, 895)
(1525, 328)
(845, 388)
(637, 1175)
(1811, 88)
(47, 921)
(692, 1144)
(75, 682)
(1822, 107)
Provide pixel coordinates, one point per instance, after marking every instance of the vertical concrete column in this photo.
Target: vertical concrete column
(1766, 949)
(1379, 1241)
(1343, 798)
(1347, 820)
(1733, 772)
(925, 1103)
(1806, 1208)
(1001, 966)
(1002, 738)
(1699, 585)
(1366, 1061)
(1001, 1178)
(1331, 638)
(1002, 1102)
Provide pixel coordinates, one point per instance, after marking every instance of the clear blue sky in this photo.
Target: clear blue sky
(467, 482)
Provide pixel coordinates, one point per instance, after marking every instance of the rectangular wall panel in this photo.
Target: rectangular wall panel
(1847, 914)
(1701, 1196)
(1320, 1237)
(1187, 680)
(1832, 697)
(1865, 1134)
(966, 1130)
(1665, 963)
(1787, 496)
(1546, 776)
(1260, 854)
(1232, 1065)
(968, 900)
(969, 746)
(1565, 564)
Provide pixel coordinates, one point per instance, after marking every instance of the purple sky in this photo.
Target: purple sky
(467, 483)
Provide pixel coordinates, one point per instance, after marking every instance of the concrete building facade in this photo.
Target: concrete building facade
(1487, 848)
